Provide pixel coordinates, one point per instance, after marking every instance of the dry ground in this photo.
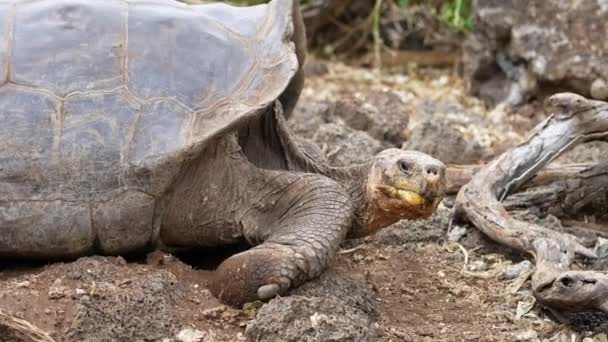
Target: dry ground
(426, 288)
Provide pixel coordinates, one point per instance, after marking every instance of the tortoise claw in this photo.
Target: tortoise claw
(257, 274)
(268, 291)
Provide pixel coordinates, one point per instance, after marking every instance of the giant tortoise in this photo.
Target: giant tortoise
(127, 126)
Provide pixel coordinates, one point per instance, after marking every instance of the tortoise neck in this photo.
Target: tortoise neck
(354, 179)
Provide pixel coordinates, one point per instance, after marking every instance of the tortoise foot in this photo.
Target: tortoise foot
(257, 274)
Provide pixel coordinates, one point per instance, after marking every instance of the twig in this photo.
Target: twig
(465, 253)
(356, 248)
(22, 329)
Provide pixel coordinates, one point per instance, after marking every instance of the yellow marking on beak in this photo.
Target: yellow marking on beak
(411, 198)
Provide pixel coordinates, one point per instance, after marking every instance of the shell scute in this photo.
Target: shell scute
(66, 46)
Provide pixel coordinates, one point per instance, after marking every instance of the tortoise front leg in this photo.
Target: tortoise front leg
(298, 220)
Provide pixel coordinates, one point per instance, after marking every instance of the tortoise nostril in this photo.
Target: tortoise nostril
(432, 171)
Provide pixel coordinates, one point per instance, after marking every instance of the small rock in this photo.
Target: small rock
(456, 233)
(314, 319)
(57, 290)
(192, 335)
(229, 315)
(317, 318)
(121, 261)
(478, 266)
(526, 336)
(514, 271)
(380, 256)
(158, 258)
(601, 249)
(79, 293)
(596, 338)
(23, 284)
(599, 89)
(214, 312)
(441, 81)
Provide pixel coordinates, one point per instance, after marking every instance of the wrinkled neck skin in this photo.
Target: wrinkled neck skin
(296, 158)
(354, 180)
(357, 189)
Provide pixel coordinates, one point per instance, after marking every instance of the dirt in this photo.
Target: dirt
(406, 283)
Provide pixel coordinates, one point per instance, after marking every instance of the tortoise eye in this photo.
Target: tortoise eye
(404, 166)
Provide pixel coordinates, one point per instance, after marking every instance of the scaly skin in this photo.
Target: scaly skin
(313, 214)
(295, 220)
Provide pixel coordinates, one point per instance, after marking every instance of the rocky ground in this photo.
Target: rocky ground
(409, 282)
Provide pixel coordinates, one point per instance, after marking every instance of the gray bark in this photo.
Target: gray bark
(562, 189)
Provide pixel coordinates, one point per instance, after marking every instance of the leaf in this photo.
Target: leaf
(523, 307)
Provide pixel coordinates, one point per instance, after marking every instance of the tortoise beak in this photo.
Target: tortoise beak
(412, 198)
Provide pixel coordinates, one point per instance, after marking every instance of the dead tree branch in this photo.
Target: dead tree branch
(566, 192)
(460, 175)
(15, 329)
(572, 295)
(562, 190)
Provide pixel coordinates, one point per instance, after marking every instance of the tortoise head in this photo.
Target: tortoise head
(402, 185)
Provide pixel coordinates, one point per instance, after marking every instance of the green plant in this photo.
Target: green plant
(456, 15)
(246, 2)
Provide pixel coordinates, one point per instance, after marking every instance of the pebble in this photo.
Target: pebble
(514, 271)
(526, 336)
(456, 233)
(478, 266)
(191, 335)
(23, 284)
(317, 319)
(601, 249)
(57, 290)
(214, 312)
(599, 89)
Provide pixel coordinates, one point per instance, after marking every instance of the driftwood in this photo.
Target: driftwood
(18, 330)
(577, 297)
(562, 190)
(392, 58)
(568, 193)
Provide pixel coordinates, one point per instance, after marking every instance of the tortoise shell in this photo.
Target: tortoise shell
(102, 101)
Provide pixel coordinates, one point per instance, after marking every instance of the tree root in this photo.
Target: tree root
(18, 330)
(459, 175)
(567, 193)
(579, 298)
(561, 190)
